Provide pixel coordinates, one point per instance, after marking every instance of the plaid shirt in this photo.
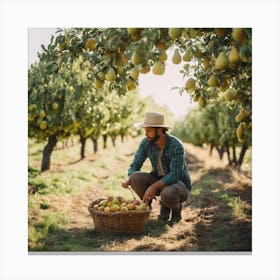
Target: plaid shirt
(173, 160)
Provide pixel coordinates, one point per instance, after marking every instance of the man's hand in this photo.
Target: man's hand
(152, 190)
(126, 184)
(150, 193)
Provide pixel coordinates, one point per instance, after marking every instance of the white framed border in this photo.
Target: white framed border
(17, 17)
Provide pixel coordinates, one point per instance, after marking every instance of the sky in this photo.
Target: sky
(159, 87)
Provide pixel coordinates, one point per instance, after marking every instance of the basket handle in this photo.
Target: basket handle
(95, 192)
(129, 187)
(132, 191)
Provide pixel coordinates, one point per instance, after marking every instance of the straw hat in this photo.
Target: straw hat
(153, 120)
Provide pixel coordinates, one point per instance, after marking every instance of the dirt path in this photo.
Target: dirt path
(216, 217)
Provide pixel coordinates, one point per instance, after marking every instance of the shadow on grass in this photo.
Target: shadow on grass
(86, 240)
(224, 215)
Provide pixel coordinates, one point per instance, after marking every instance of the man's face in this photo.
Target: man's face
(151, 134)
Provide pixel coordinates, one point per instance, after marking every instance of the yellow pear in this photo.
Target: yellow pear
(201, 101)
(130, 85)
(197, 53)
(230, 94)
(143, 206)
(145, 69)
(188, 55)
(161, 45)
(124, 208)
(136, 58)
(120, 70)
(195, 98)
(101, 75)
(43, 125)
(221, 61)
(133, 31)
(110, 75)
(162, 56)
(224, 86)
(62, 46)
(115, 208)
(158, 68)
(90, 44)
(241, 115)
(220, 31)
(176, 58)
(134, 73)
(174, 33)
(190, 85)
(206, 62)
(233, 55)
(212, 81)
(240, 132)
(98, 83)
(239, 35)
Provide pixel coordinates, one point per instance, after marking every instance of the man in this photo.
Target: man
(169, 177)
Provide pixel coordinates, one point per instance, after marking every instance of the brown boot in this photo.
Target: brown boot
(176, 215)
(164, 213)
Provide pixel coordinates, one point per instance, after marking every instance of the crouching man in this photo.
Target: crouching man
(169, 177)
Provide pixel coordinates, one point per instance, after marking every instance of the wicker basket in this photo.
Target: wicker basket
(129, 222)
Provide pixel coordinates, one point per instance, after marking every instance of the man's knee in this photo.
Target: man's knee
(140, 181)
(170, 197)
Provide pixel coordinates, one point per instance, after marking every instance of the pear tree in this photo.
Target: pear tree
(216, 62)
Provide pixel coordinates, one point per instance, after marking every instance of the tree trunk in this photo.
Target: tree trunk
(241, 155)
(234, 155)
(228, 155)
(220, 152)
(113, 141)
(104, 141)
(95, 145)
(83, 143)
(46, 161)
(211, 149)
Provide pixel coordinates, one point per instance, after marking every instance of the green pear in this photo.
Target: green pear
(212, 81)
(136, 58)
(115, 208)
(134, 73)
(188, 55)
(115, 200)
(158, 68)
(124, 208)
(143, 206)
(239, 35)
(201, 101)
(174, 33)
(176, 58)
(103, 202)
(162, 56)
(233, 55)
(190, 84)
(95, 206)
(221, 61)
(241, 115)
(98, 83)
(130, 206)
(110, 75)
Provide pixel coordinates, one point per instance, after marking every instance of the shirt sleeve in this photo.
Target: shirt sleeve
(177, 165)
(139, 158)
